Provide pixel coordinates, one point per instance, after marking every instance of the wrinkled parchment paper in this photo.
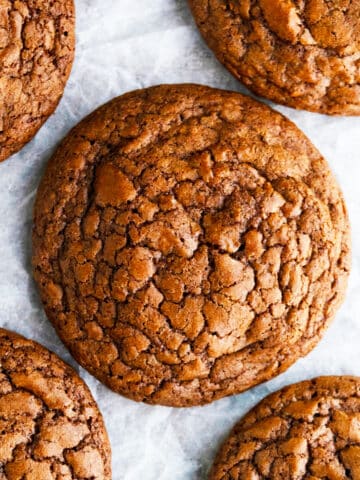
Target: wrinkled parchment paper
(123, 45)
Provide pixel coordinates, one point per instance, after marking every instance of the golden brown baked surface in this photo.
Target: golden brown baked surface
(310, 430)
(188, 244)
(50, 426)
(37, 44)
(301, 53)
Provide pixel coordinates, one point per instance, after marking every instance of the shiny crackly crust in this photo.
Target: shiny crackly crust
(37, 43)
(301, 53)
(310, 430)
(50, 426)
(188, 244)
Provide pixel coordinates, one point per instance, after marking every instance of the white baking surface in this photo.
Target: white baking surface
(124, 45)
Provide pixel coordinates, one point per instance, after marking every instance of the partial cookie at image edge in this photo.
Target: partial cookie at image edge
(36, 55)
(309, 429)
(50, 423)
(304, 55)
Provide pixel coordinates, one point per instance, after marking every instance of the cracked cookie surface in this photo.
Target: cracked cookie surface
(301, 53)
(307, 431)
(37, 43)
(188, 244)
(50, 426)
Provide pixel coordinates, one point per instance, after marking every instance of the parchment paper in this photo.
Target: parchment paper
(123, 45)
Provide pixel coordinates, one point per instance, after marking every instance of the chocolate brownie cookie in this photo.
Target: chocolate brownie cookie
(301, 53)
(310, 430)
(50, 426)
(36, 54)
(188, 244)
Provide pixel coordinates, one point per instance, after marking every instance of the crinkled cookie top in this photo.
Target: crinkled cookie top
(301, 53)
(36, 53)
(310, 430)
(50, 426)
(189, 243)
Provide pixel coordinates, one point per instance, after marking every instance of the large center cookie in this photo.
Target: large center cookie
(36, 53)
(189, 243)
(302, 53)
(50, 426)
(310, 430)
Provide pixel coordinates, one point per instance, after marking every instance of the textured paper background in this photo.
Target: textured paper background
(123, 45)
